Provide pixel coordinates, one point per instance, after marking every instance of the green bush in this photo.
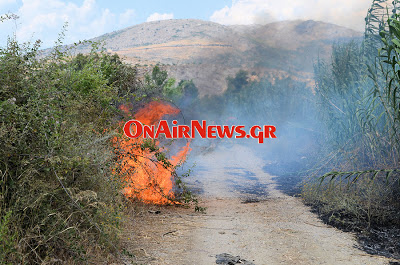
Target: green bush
(57, 116)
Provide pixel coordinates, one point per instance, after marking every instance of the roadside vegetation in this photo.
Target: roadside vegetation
(59, 199)
(358, 101)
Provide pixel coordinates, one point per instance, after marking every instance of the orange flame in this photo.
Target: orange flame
(148, 179)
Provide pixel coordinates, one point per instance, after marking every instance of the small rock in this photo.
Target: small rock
(228, 259)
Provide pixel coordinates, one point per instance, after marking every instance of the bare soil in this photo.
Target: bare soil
(262, 227)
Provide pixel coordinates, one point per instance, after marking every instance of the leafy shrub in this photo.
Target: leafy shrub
(57, 115)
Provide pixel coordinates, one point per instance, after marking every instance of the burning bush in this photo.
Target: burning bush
(148, 175)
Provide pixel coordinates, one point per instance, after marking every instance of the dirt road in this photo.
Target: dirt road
(246, 216)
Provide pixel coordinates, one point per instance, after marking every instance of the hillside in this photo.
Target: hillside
(208, 52)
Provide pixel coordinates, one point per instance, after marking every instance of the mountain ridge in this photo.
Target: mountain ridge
(207, 52)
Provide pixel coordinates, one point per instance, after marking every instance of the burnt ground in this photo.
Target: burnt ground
(379, 239)
(289, 176)
(383, 240)
(247, 184)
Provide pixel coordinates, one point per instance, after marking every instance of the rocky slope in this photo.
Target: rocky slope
(208, 52)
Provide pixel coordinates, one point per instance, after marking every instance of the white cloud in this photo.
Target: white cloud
(349, 13)
(157, 16)
(44, 19)
(127, 18)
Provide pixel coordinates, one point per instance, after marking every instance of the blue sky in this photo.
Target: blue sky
(180, 8)
(43, 19)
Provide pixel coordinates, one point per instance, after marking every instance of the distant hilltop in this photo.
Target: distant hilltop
(208, 52)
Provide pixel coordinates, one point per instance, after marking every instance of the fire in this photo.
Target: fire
(148, 176)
